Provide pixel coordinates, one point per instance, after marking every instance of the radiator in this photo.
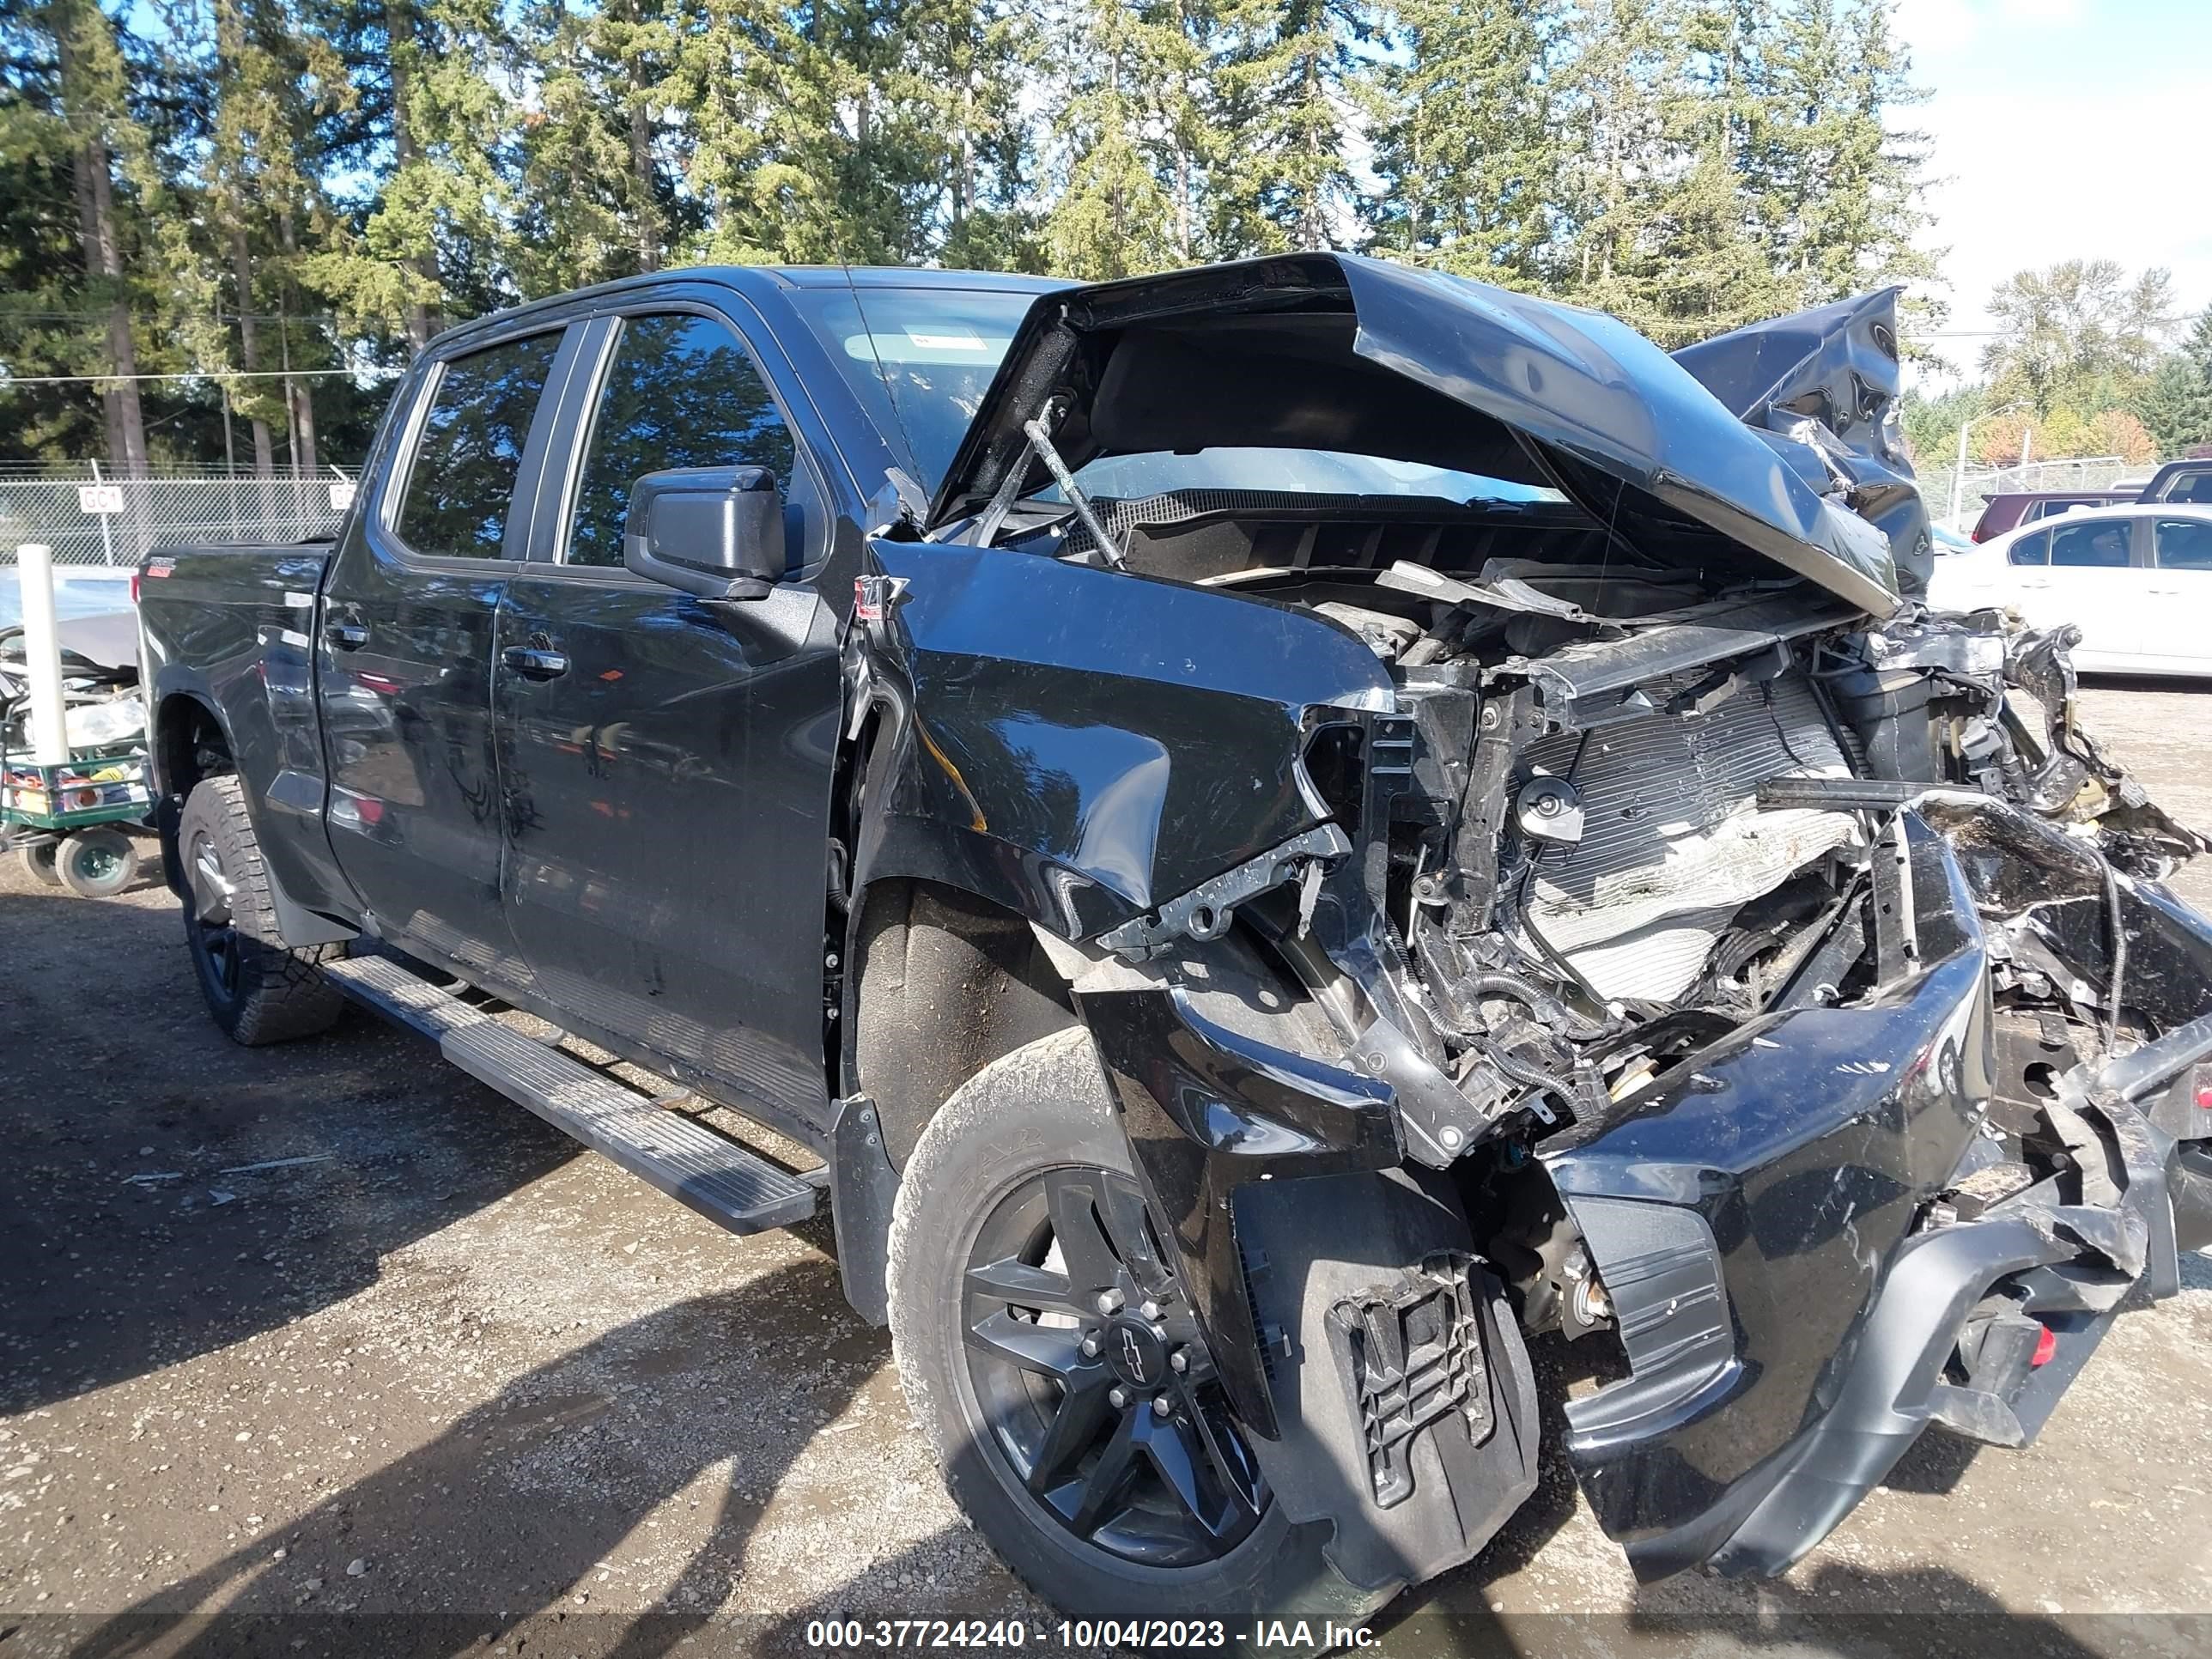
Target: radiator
(1674, 843)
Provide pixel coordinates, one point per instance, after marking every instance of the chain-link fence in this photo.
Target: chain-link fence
(1978, 484)
(89, 516)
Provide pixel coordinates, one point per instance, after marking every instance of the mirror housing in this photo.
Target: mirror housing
(716, 531)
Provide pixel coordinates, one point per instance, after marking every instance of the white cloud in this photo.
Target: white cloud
(1939, 26)
(2029, 180)
(2051, 139)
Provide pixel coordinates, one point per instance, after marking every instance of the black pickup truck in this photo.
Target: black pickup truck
(1274, 834)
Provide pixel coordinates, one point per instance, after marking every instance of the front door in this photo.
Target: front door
(405, 683)
(667, 761)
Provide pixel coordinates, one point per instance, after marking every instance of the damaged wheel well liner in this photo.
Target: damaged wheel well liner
(932, 958)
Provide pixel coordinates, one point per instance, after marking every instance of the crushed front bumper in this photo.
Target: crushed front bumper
(1791, 1299)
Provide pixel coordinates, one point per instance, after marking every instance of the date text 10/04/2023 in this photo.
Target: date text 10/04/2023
(987, 1634)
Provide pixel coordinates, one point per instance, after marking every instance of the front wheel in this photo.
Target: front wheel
(1052, 1358)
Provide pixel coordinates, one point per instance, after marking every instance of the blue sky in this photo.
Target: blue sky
(2063, 129)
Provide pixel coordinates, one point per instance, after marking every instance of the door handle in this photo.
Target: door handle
(533, 663)
(346, 637)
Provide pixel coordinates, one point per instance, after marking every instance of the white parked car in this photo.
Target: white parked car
(2137, 579)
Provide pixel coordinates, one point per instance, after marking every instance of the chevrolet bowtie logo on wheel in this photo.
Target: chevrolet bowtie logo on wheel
(1133, 1355)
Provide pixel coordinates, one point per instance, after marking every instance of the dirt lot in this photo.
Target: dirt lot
(330, 1336)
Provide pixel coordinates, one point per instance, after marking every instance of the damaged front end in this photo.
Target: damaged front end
(1620, 911)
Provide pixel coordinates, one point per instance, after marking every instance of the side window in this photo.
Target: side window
(680, 392)
(2195, 487)
(2030, 549)
(2184, 544)
(2103, 544)
(462, 479)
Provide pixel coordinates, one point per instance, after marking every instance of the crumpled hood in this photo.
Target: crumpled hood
(1334, 351)
(1829, 379)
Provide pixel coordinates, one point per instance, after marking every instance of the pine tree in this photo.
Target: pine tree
(1465, 144)
(1112, 217)
(761, 88)
(1704, 268)
(1285, 182)
(1620, 61)
(2176, 405)
(1837, 182)
(596, 192)
(439, 239)
(970, 61)
(87, 116)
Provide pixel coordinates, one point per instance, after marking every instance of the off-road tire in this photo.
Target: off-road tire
(273, 993)
(96, 863)
(1045, 1106)
(36, 858)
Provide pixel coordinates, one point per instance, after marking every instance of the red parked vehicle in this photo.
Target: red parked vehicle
(2010, 511)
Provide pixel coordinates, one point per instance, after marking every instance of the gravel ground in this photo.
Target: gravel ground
(332, 1340)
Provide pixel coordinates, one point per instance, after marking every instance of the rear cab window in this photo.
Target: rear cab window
(2189, 484)
(460, 480)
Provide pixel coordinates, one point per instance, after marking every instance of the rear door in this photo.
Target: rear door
(2085, 571)
(2178, 620)
(667, 760)
(408, 620)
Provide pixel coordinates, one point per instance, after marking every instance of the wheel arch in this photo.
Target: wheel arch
(191, 741)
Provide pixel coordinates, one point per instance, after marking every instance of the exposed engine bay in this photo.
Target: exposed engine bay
(1619, 820)
(1697, 948)
(1653, 798)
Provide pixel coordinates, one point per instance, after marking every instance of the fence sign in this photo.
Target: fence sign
(100, 498)
(341, 496)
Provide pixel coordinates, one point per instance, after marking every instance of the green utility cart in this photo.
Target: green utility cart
(72, 824)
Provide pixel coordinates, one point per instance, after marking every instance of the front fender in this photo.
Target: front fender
(1081, 745)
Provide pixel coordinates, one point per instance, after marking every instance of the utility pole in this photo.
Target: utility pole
(1958, 474)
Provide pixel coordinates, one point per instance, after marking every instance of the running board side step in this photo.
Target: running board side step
(729, 1184)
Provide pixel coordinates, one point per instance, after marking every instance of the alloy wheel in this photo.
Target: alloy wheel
(213, 927)
(1092, 1389)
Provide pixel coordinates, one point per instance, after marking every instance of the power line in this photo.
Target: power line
(332, 318)
(376, 370)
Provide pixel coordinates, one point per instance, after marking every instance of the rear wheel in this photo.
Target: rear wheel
(1051, 1356)
(36, 858)
(96, 863)
(257, 989)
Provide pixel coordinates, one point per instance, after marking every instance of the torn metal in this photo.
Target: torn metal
(1638, 899)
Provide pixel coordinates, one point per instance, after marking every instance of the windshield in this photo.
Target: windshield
(1291, 472)
(919, 359)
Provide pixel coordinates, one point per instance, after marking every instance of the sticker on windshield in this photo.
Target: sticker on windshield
(923, 345)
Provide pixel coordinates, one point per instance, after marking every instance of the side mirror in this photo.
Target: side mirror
(714, 531)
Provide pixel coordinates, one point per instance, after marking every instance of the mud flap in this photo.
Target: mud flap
(1406, 1401)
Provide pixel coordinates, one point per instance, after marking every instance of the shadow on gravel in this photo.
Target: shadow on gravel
(1910, 1614)
(165, 1193)
(513, 1507)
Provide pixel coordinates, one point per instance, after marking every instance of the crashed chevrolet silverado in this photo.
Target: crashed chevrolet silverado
(1264, 836)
